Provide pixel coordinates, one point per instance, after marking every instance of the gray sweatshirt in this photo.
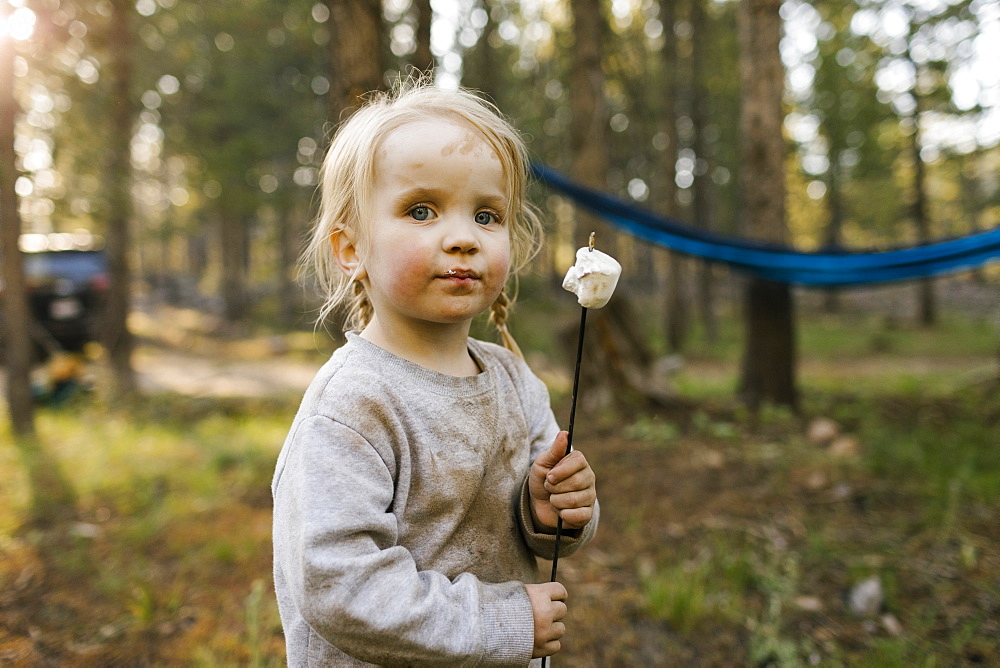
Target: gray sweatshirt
(402, 528)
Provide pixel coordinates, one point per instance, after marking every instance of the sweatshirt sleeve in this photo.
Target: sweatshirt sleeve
(543, 428)
(544, 544)
(335, 542)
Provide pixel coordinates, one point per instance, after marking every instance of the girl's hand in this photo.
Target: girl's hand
(561, 486)
(548, 607)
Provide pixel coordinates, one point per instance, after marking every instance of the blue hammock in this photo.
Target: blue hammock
(780, 263)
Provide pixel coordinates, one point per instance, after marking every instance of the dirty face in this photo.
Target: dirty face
(439, 244)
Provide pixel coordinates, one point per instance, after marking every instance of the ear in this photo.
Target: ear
(345, 253)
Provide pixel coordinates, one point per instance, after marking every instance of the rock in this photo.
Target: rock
(710, 458)
(85, 530)
(668, 366)
(809, 603)
(891, 624)
(816, 480)
(822, 430)
(866, 597)
(842, 491)
(845, 447)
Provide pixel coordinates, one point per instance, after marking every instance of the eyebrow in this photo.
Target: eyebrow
(420, 193)
(417, 194)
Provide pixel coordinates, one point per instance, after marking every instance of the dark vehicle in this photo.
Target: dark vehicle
(66, 293)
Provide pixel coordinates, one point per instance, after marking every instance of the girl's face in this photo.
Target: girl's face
(438, 246)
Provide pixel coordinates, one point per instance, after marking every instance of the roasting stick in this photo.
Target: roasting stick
(592, 279)
(569, 430)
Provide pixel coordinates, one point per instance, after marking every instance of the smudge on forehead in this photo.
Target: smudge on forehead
(471, 143)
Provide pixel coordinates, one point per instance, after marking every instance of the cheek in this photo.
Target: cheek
(500, 261)
(400, 272)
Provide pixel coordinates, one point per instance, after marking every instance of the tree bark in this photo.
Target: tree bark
(16, 315)
(356, 58)
(234, 267)
(289, 233)
(768, 370)
(589, 122)
(480, 69)
(702, 183)
(921, 218)
(973, 201)
(832, 240)
(423, 59)
(117, 339)
(677, 322)
(770, 358)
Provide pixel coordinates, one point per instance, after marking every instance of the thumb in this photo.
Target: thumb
(549, 458)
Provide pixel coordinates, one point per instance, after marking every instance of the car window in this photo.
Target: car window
(76, 266)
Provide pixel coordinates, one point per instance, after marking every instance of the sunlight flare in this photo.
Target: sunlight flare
(20, 24)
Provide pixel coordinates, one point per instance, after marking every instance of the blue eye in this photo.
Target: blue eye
(420, 213)
(486, 217)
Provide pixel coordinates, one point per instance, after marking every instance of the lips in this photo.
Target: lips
(461, 274)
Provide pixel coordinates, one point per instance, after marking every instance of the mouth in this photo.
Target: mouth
(461, 274)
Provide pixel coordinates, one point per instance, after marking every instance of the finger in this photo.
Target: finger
(573, 463)
(549, 458)
(556, 591)
(550, 648)
(559, 610)
(553, 633)
(576, 518)
(578, 481)
(569, 500)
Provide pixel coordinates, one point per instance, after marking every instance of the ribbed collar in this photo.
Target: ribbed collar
(428, 379)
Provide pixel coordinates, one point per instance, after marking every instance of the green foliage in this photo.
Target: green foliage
(678, 595)
(949, 447)
(652, 429)
(159, 489)
(171, 477)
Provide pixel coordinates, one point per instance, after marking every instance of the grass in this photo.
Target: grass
(724, 540)
(169, 536)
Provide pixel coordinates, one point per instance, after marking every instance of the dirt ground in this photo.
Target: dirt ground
(676, 508)
(712, 507)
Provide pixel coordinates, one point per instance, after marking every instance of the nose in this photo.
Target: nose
(460, 237)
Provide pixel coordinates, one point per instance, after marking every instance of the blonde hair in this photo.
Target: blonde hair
(347, 180)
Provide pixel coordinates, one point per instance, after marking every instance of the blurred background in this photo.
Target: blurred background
(789, 474)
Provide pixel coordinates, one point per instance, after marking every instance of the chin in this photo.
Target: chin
(455, 316)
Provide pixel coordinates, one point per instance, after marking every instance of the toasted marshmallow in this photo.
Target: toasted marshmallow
(593, 278)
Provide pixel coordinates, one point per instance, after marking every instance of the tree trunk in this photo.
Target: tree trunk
(289, 230)
(768, 371)
(702, 183)
(588, 126)
(423, 59)
(973, 200)
(770, 356)
(677, 325)
(234, 261)
(117, 338)
(832, 241)
(921, 218)
(479, 66)
(16, 342)
(356, 59)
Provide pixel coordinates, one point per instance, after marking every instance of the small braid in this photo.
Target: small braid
(498, 316)
(361, 308)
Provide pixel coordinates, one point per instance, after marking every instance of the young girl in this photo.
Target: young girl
(424, 469)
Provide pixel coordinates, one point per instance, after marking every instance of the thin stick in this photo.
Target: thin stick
(569, 436)
(569, 430)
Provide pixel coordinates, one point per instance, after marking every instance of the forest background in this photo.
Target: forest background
(852, 447)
